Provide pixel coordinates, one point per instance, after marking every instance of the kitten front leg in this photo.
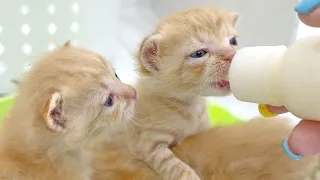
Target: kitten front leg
(160, 158)
(167, 165)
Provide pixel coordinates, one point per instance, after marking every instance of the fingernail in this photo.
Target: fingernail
(287, 150)
(306, 6)
(265, 112)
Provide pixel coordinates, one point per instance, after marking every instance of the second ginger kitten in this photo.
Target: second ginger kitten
(185, 58)
(249, 151)
(66, 104)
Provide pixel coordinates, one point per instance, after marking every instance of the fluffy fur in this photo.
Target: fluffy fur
(250, 151)
(185, 58)
(62, 110)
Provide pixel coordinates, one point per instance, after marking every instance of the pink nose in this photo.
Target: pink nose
(228, 56)
(130, 93)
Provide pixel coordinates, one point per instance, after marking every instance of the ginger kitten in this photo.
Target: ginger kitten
(66, 104)
(249, 151)
(185, 58)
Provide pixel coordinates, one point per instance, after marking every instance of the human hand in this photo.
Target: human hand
(309, 12)
(304, 139)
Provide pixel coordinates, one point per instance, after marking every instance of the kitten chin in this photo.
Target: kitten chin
(216, 92)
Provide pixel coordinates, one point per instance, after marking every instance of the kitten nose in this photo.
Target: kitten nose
(128, 92)
(228, 55)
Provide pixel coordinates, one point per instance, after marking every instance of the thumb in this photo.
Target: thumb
(312, 19)
(304, 139)
(309, 12)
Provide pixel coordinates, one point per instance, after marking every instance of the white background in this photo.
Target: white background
(114, 28)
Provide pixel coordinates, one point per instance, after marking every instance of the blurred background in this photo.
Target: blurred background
(114, 28)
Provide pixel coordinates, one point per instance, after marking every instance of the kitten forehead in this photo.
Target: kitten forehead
(74, 68)
(76, 59)
(202, 27)
(199, 20)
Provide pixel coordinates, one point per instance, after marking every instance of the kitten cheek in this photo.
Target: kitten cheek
(198, 69)
(114, 115)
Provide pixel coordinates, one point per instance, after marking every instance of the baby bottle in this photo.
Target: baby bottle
(280, 76)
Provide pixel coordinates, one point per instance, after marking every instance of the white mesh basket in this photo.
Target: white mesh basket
(29, 28)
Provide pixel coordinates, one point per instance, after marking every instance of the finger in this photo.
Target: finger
(312, 19)
(277, 109)
(271, 111)
(306, 6)
(304, 140)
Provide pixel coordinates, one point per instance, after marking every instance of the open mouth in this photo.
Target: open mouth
(223, 84)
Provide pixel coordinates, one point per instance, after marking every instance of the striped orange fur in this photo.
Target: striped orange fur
(171, 108)
(249, 151)
(59, 115)
(172, 84)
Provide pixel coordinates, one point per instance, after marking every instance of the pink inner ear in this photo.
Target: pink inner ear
(57, 117)
(151, 51)
(54, 115)
(149, 56)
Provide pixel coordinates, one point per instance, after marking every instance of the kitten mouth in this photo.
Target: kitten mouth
(223, 84)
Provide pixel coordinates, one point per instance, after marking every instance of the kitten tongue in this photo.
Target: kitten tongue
(224, 83)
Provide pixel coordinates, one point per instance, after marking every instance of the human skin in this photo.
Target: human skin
(305, 137)
(312, 19)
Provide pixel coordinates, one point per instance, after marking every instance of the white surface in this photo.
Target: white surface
(115, 30)
(29, 28)
(299, 78)
(262, 22)
(254, 74)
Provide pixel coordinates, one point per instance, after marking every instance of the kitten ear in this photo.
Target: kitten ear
(53, 113)
(235, 18)
(67, 43)
(149, 53)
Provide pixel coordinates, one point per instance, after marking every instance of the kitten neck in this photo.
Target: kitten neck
(146, 86)
(36, 146)
(183, 100)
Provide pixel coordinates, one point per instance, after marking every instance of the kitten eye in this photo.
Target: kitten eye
(109, 101)
(233, 41)
(116, 76)
(198, 54)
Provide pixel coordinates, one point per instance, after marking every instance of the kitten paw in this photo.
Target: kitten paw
(190, 175)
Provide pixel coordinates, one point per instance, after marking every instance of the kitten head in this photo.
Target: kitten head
(74, 93)
(190, 53)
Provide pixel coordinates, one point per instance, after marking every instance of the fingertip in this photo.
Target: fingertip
(306, 6)
(277, 109)
(303, 140)
(311, 19)
(287, 150)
